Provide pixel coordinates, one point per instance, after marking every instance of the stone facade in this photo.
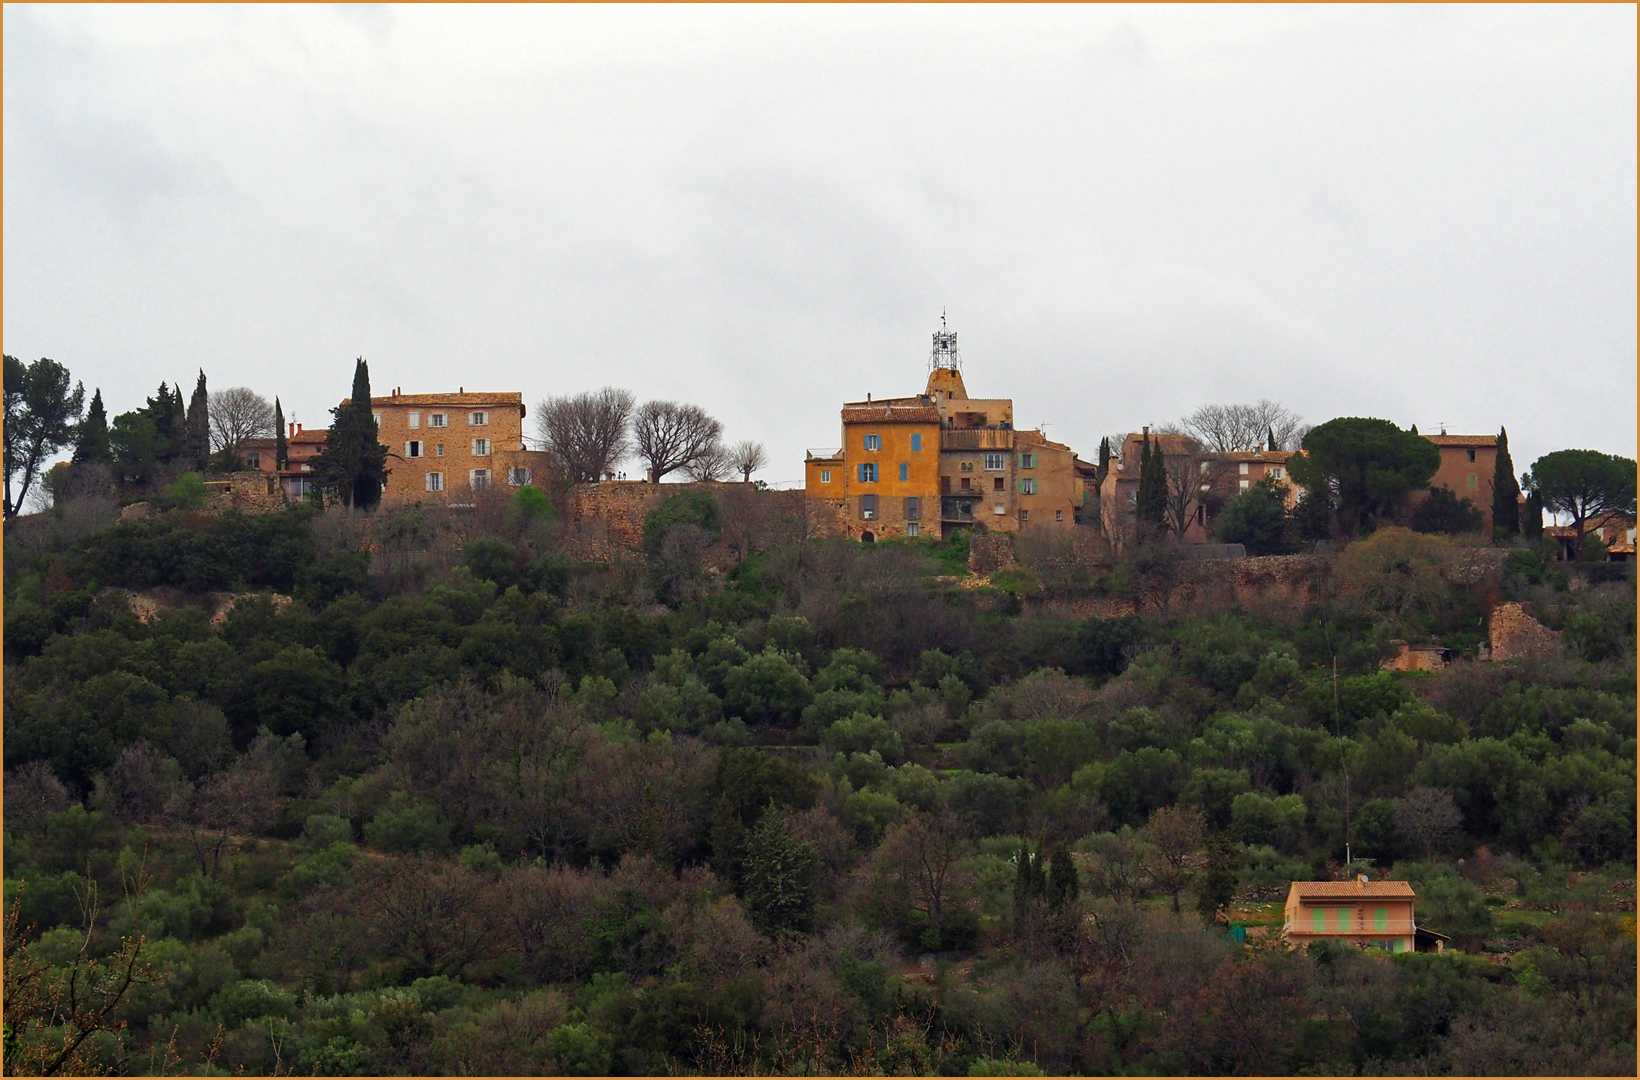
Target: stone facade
(247, 492)
(1515, 635)
(1417, 658)
(990, 552)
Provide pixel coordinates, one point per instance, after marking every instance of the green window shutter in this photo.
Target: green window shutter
(1395, 945)
(1319, 916)
(1380, 919)
(1343, 919)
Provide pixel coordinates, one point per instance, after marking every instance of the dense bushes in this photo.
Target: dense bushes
(484, 809)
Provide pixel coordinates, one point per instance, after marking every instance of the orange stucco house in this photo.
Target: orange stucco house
(1363, 913)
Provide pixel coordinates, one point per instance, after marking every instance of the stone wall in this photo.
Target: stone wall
(1515, 635)
(606, 519)
(989, 552)
(1417, 658)
(247, 492)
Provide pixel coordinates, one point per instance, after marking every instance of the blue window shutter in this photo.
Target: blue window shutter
(916, 440)
(905, 471)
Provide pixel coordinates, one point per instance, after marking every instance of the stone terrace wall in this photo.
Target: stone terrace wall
(989, 552)
(606, 519)
(246, 492)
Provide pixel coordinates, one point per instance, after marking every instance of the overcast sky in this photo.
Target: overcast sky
(1424, 214)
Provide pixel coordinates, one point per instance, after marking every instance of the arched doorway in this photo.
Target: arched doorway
(867, 538)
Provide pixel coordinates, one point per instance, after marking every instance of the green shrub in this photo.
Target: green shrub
(404, 826)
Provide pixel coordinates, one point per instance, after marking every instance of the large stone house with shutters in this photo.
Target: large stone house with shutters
(1364, 913)
(942, 461)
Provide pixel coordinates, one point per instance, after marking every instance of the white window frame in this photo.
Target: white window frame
(996, 462)
(874, 442)
(438, 419)
(253, 459)
(415, 420)
(825, 476)
(999, 509)
(433, 481)
(478, 478)
(438, 450)
(481, 448)
(913, 528)
(376, 416)
(414, 448)
(1242, 468)
(478, 419)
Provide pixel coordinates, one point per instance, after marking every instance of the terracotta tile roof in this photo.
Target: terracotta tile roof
(890, 413)
(318, 436)
(1329, 890)
(1463, 440)
(1273, 457)
(462, 399)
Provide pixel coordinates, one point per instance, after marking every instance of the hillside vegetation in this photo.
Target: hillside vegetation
(432, 797)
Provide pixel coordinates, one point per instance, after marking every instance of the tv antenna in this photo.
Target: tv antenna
(944, 353)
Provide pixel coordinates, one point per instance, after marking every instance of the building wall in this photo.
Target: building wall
(1468, 479)
(922, 471)
(1058, 488)
(1361, 927)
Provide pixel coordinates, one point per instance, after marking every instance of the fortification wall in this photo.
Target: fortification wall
(606, 519)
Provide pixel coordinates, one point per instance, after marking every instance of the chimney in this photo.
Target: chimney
(298, 429)
(1147, 431)
(292, 429)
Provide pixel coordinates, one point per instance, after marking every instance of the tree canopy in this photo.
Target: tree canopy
(1586, 485)
(42, 415)
(1369, 466)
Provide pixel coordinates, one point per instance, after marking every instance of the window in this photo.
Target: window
(1469, 482)
(968, 466)
(996, 462)
(481, 447)
(377, 417)
(1278, 472)
(434, 481)
(905, 472)
(253, 460)
(1027, 461)
(437, 419)
(825, 476)
(868, 473)
(1024, 515)
(996, 484)
(868, 507)
(478, 478)
(478, 419)
(1319, 916)
(1380, 919)
(415, 420)
(519, 476)
(913, 528)
(1343, 920)
(1471, 455)
(913, 508)
(438, 451)
(1204, 466)
(1395, 945)
(1027, 485)
(916, 441)
(1059, 515)
(1242, 468)
(874, 442)
(998, 509)
(1243, 485)
(965, 483)
(412, 449)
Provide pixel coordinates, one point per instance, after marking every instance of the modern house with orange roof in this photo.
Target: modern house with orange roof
(1364, 913)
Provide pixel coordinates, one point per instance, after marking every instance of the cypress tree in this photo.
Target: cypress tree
(1104, 462)
(1505, 491)
(1531, 515)
(180, 449)
(354, 462)
(1271, 446)
(1063, 886)
(199, 424)
(1151, 504)
(281, 448)
(91, 441)
(1029, 882)
(160, 410)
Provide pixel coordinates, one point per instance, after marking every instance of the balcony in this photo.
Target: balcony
(957, 509)
(977, 439)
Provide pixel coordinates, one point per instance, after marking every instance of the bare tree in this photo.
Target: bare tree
(236, 414)
(714, 463)
(587, 433)
(1428, 817)
(920, 860)
(1175, 834)
(1227, 428)
(747, 457)
(670, 436)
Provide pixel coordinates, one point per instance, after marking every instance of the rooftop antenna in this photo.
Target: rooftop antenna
(944, 353)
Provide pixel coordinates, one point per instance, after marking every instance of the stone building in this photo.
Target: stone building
(941, 461)
(440, 447)
(1467, 465)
